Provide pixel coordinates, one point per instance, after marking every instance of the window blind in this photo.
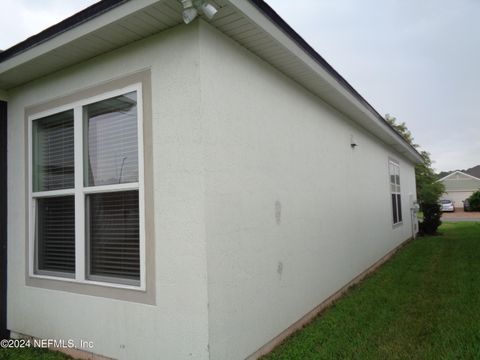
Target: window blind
(56, 234)
(53, 152)
(113, 231)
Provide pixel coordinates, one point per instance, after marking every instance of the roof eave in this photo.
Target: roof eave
(339, 94)
(67, 24)
(46, 41)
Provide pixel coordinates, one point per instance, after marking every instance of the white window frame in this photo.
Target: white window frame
(396, 165)
(80, 190)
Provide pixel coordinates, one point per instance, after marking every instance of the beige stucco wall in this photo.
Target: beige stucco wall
(176, 326)
(293, 213)
(254, 181)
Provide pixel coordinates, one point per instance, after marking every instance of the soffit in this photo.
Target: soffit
(108, 32)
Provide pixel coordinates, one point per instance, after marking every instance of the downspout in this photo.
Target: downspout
(4, 333)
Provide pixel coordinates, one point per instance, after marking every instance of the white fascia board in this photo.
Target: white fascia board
(390, 137)
(446, 177)
(76, 32)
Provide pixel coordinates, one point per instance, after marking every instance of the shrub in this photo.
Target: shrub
(431, 218)
(474, 201)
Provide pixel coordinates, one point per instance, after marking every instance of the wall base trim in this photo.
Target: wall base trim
(307, 318)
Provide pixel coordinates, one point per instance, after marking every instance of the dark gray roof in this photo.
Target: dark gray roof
(474, 171)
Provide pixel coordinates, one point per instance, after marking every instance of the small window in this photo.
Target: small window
(396, 196)
(86, 191)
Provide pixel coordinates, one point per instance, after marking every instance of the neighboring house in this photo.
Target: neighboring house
(459, 186)
(189, 191)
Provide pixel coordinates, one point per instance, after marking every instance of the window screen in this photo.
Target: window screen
(111, 141)
(53, 152)
(113, 233)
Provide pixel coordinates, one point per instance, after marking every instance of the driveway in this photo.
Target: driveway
(460, 215)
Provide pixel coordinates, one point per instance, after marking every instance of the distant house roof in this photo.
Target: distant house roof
(474, 171)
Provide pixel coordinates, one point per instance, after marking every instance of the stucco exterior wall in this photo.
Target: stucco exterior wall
(176, 327)
(262, 209)
(292, 211)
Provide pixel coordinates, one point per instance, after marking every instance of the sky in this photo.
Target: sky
(416, 60)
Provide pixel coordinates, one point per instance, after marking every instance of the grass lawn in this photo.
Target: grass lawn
(31, 354)
(422, 304)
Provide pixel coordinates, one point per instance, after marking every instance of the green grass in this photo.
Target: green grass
(422, 304)
(31, 354)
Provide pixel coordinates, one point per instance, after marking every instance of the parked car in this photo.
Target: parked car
(447, 205)
(466, 205)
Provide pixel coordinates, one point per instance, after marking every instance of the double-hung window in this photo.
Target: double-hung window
(394, 171)
(86, 191)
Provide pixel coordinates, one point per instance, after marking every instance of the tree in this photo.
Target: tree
(428, 190)
(474, 201)
(401, 129)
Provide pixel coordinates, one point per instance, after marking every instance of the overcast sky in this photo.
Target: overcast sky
(416, 60)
